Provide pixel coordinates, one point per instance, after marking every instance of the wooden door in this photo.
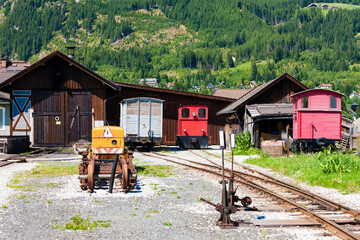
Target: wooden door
(79, 116)
(49, 118)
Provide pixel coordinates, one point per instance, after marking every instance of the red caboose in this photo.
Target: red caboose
(192, 127)
(316, 118)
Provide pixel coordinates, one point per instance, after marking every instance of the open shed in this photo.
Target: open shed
(276, 91)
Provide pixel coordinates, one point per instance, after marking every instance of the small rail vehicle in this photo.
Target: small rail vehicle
(316, 118)
(192, 127)
(107, 159)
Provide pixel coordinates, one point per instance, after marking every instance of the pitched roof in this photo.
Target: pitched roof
(268, 110)
(231, 93)
(111, 84)
(6, 75)
(4, 97)
(64, 57)
(231, 108)
(171, 91)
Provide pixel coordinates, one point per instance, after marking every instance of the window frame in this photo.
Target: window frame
(199, 116)
(303, 102)
(182, 112)
(3, 125)
(335, 101)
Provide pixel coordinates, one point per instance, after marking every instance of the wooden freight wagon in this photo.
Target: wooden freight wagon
(316, 118)
(142, 119)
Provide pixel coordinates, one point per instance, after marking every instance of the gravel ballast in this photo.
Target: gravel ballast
(159, 208)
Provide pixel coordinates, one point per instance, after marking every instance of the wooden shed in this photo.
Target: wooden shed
(56, 101)
(268, 120)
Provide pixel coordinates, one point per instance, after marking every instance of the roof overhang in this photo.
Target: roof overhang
(241, 102)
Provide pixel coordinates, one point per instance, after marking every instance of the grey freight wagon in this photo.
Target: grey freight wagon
(142, 119)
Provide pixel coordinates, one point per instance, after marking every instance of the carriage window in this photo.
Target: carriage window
(333, 102)
(185, 113)
(296, 103)
(305, 102)
(202, 113)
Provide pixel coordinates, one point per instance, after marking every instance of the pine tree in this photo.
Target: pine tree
(254, 71)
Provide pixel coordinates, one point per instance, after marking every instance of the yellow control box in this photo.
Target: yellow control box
(108, 137)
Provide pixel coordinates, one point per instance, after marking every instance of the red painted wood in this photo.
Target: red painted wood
(193, 125)
(318, 120)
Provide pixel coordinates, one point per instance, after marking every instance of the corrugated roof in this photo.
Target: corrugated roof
(231, 108)
(231, 93)
(270, 110)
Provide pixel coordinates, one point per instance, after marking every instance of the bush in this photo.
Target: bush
(335, 162)
(243, 141)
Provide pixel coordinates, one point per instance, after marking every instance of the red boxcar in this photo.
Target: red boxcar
(192, 127)
(316, 118)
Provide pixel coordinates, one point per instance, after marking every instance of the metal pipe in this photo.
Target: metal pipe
(110, 98)
(100, 176)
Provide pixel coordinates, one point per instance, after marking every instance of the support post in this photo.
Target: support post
(288, 141)
(112, 178)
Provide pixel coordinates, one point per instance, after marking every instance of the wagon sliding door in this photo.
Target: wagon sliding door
(49, 119)
(142, 118)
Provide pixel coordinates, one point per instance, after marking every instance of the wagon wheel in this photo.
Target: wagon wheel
(91, 168)
(125, 177)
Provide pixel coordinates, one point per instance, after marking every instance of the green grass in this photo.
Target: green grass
(340, 5)
(331, 170)
(251, 151)
(167, 224)
(43, 170)
(79, 223)
(155, 170)
(4, 206)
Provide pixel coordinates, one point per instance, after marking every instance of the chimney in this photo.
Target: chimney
(3, 62)
(70, 51)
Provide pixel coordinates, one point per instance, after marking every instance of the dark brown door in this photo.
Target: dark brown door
(79, 115)
(49, 118)
(55, 123)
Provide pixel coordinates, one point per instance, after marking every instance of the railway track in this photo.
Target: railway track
(19, 158)
(338, 219)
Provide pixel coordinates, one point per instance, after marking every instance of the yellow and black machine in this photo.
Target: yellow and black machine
(107, 159)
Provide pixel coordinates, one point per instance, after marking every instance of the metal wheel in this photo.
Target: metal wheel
(125, 177)
(91, 168)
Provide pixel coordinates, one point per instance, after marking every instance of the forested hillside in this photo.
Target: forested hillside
(192, 42)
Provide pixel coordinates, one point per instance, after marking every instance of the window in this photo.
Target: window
(185, 113)
(296, 103)
(202, 113)
(2, 118)
(333, 102)
(305, 102)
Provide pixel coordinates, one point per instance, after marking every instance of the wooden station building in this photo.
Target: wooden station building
(264, 111)
(56, 102)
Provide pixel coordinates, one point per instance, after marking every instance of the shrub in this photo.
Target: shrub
(243, 141)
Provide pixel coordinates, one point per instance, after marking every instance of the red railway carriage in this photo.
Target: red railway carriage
(192, 127)
(316, 118)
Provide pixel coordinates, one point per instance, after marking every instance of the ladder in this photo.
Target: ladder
(344, 143)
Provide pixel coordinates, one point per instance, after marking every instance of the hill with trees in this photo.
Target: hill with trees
(193, 42)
